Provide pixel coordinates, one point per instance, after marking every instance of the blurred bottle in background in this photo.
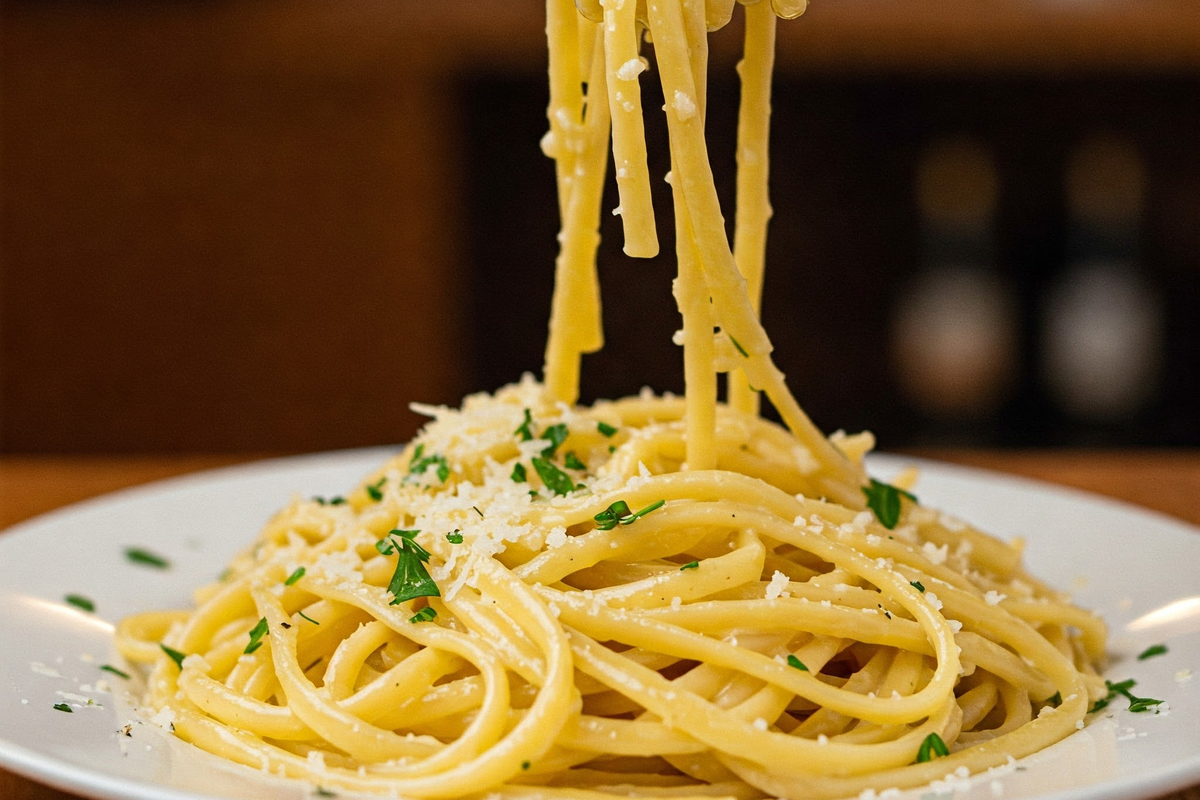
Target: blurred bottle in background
(955, 332)
(1102, 321)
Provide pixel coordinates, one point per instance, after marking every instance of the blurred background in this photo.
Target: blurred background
(248, 227)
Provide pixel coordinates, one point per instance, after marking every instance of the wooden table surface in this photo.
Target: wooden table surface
(1167, 481)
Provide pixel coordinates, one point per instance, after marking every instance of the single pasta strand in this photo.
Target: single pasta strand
(699, 350)
(565, 110)
(695, 31)
(628, 134)
(691, 288)
(753, 160)
(575, 325)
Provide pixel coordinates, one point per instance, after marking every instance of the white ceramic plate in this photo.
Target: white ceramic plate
(1139, 569)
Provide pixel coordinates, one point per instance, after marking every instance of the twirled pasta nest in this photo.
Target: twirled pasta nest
(741, 638)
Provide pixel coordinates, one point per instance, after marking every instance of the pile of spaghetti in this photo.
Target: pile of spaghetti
(657, 596)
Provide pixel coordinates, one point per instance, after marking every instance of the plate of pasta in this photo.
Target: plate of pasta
(658, 596)
(182, 532)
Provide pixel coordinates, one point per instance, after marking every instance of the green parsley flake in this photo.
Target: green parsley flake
(174, 654)
(605, 429)
(411, 579)
(619, 512)
(525, 430)
(519, 475)
(333, 501)
(63, 707)
(321, 791)
(884, 500)
(792, 661)
(79, 601)
(555, 479)
(690, 565)
(526, 764)
(421, 463)
(556, 435)
(740, 349)
(454, 537)
(571, 461)
(931, 747)
(1122, 688)
(375, 490)
(918, 586)
(424, 615)
(295, 576)
(307, 617)
(139, 555)
(1149, 652)
(120, 673)
(1055, 700)
(256, 635)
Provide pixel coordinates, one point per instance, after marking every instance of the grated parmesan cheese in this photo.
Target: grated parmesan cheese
(778, 586)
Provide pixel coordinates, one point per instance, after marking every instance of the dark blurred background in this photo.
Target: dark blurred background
(269, 226)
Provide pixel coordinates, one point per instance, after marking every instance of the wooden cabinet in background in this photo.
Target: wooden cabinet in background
(246, 227)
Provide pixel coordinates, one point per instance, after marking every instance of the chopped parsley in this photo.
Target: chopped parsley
(526, 764)
(690, 565)
(931, 747)
(555, 479)
(571, 461)
(1122, 688)
(421, 463)
(321, 791)
(454, 536)
(424, 615)
(884, 500)
(1149, 652)
(410, 579)
(256, 635)
(174, 654)
(333, 501)
(556, 435)
(519, 474)
(307, 617)
(920, 587)
(525, 431)
(375, 490)
(79, 601)
(1055, 700)
(139, 555)
(295, 576)
(739, 347)
(120, 673)
(605, 429)
(796, 663)
(619, 512)
(63, 707)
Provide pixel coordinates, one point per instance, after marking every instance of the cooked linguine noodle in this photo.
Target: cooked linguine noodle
(658, 596)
